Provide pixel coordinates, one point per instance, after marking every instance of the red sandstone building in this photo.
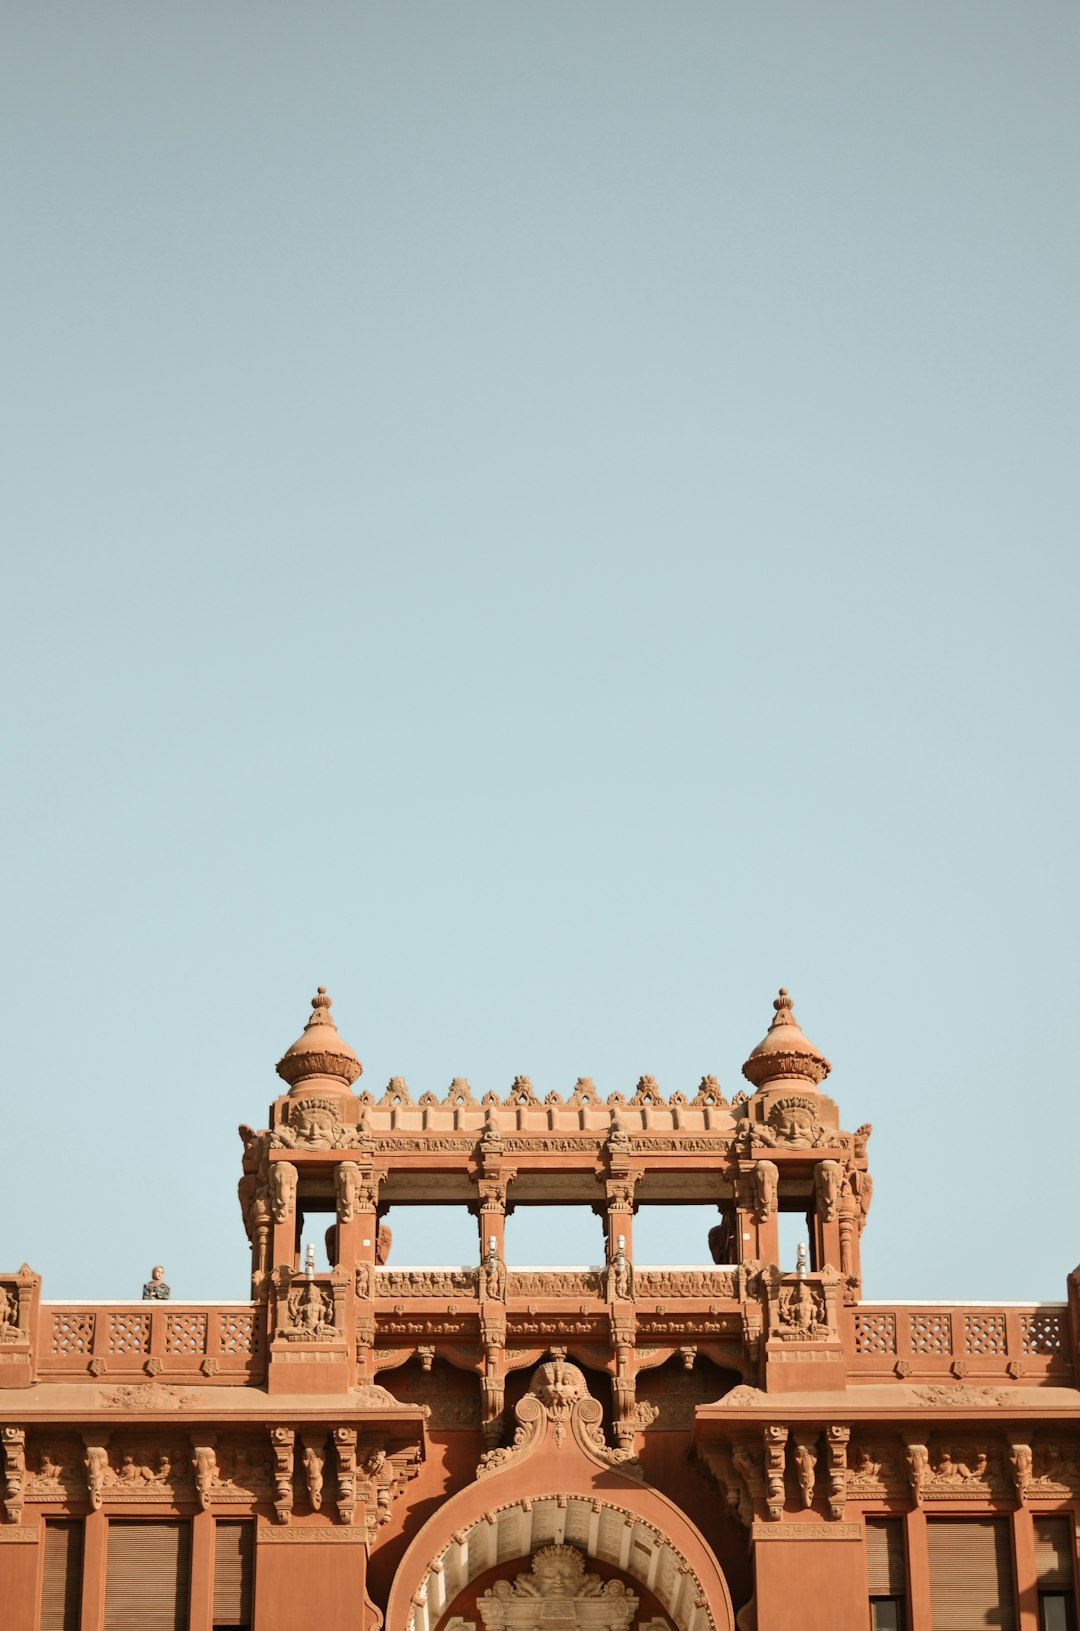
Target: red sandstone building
(501, 1449)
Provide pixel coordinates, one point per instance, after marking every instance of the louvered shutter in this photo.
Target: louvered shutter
(1053, 1551)
(146, 1576)
(61, 1585)
(885, 1557)
(233, 1550)
(971, 1574)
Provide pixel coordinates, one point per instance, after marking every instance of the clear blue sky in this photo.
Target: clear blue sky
(551, 521)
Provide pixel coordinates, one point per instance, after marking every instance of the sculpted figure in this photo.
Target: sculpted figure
(383, 1241)
(282, 1190)
(96, 1462)
(312, 1461)
(9, 1315)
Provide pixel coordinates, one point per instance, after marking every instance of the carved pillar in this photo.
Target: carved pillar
(282, 1440)
(345, 1451)
(775, 1440)
(491, 1208)
(493, 1381)
(836, 1446)
(14, 1445)
(619, 1208)
(624, 1382)
(285, 1237)
(828, 1182)
(756, 1211)
(357, 1241)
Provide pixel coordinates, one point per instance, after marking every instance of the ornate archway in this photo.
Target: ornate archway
(559, 1485)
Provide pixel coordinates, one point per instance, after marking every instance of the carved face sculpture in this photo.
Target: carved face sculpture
(794, 1124)
(314, 1125)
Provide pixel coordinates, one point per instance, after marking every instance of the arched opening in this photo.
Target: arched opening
(662, 1557)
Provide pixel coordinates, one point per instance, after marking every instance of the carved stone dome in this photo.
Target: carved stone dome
(320, 1053)
(785, 1052)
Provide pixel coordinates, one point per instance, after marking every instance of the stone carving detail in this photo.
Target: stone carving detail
(836, 1445)
(240, 1472)
(13, 1440)
(764, 1180)
(620, 1275)
(951, 1396)
(204, 1463)
(10, 1330)
(964, 1470)
(557, 1592)
(398, 1283)
(55, 1472)
(283, 1178)
(874, 1472)
(493, 1278)
(558, 1403)
(147, 1396)
(347, 1185)
(805, 1458)
(666, 1283)
(802, 1313)
(345, 1453)
(314, 1124)
(555, 1283)
(96, 1463)
(794, 1123)
(775, 1441)
(282, 1440)
(1055, 1468)
(1020, 1465)
(312, 1460)
(917, 1457)
(309, 1313)
(828, 1180)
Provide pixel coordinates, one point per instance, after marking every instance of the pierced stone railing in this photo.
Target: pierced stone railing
(937, 1339)
(168, 1340)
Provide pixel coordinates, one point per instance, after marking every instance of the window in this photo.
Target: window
(233, 1561)
(1054, 1573)
(885, 1573)
(146, 1576)
(61, 1583)
(971, 1577)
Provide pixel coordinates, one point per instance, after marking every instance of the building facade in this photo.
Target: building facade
(723, 1446)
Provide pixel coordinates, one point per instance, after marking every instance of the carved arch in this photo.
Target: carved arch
(637, 1529)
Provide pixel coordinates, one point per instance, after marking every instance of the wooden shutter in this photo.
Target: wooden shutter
(233, 1550)
(61, 1586)
(1053, 1551)
(885, 1557)
(971, 1574)
(146, 1576)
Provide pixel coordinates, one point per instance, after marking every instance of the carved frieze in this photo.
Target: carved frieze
(402, 1283)
(557, 1591)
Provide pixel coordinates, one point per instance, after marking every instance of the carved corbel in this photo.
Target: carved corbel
(775, 1440)
(749, 1464)
(805, 1457)
(836, 1447)
(1019, 1461)
(917, 1462)
(96, 1463)
(283, 1440)
(313, 1460)
(346, 1187)
(204, 1463)
(828, 1182)
(14, 1445)
(766, 1178)
(718, 1461)
(283, 1180)
(345, 1452)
